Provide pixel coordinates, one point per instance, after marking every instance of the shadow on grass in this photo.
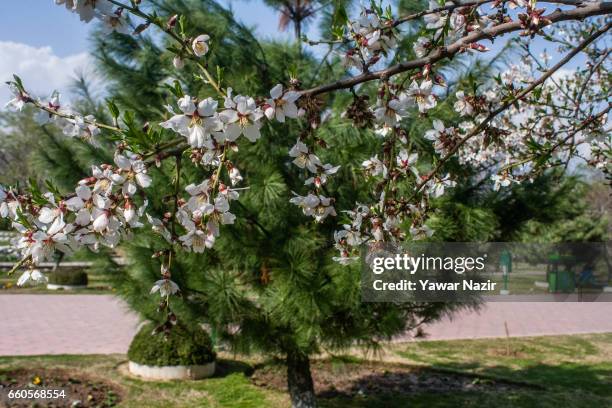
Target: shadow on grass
(226, 367)
(566, 376)
(567, 385)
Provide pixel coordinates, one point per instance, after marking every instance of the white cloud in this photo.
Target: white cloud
(40, 69)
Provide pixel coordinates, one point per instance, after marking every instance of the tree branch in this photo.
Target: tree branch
(509, 103)
(448, 52)
(454, 6)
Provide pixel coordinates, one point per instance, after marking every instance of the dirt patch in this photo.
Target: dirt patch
(80, 390)
(351, 379)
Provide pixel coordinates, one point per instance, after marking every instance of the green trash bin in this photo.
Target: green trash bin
(560, 274)
(561, 282)
(565, 282)
(552, 281)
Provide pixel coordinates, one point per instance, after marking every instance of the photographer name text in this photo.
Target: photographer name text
(427, 285)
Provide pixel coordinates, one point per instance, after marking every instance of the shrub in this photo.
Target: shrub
(68, 277)
(181, 346)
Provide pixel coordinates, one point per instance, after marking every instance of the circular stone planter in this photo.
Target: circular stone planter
(55, 286)
(181, 372)
(180, 353)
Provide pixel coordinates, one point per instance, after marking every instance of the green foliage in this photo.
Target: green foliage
(68, 277)
(571, 214)
(182, 345)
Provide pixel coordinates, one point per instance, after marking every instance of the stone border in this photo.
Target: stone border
(540, 284)
(54, 286)
(180, 372)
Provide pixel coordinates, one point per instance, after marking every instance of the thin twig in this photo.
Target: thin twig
(454, 6)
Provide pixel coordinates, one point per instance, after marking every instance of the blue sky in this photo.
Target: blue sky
(45, 44)
(41, 23)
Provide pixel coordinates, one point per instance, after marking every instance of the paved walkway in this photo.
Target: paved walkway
(64, 324)
(525, 319)
(90, 324)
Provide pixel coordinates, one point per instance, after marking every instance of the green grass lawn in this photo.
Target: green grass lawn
(559, 371)
(573, 371)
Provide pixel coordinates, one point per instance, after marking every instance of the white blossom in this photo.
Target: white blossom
(375, 167)
(135, 171)
(18, 101)
(158, 227)
(303, 157)
(421, 46)
(34, 275)
(437, 186)
(82, 127)
(234, 175)
(462, 105)
(197, 122)
(199, 196)
(435, 20)
(316, 206)
(421, 232)
(503, 180)
(43, 117)
(281, 105)
(443, 138)
(242, 117)
(321, 178)
(178, 62)
(391, 112)
(405, 160)
(115, 21)
(421, 95)
(200, 45)
(196, 239)
(165, 287)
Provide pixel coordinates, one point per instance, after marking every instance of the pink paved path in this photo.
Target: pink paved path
(64, 324)
(89, 324)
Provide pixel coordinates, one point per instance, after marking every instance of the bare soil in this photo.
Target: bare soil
(81, 390)
(332, 379)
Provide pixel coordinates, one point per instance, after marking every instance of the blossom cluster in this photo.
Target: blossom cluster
(374, 37)
(72, 123)
(205, 126)
(112, 17)
(513, 137)
(102, 210)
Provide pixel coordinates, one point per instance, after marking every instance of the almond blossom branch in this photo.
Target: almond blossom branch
(594, 9)
(168, 29)
(591, 119)
(509, 103)
(73, 117)
(23, 97)
(583, 126)
(451, 7)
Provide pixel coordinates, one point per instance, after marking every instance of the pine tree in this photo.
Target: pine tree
(269, 285)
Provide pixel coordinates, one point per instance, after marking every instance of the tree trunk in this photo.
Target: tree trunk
(299, 381)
